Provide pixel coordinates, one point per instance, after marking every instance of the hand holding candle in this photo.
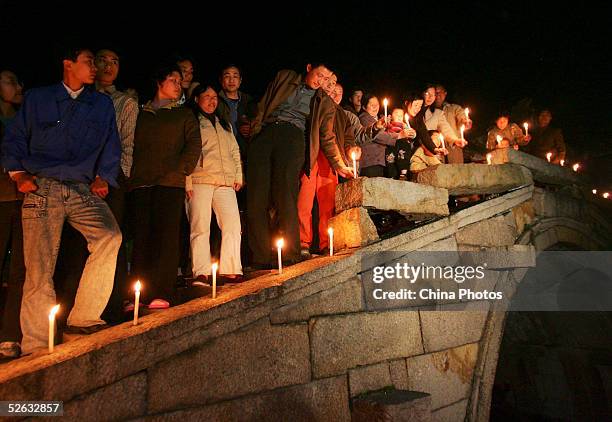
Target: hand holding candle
(214, 279)
(137, 288)
(279, 246)
(330, 231)
(52, 314)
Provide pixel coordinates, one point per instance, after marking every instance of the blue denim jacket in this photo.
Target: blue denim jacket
(62, 138)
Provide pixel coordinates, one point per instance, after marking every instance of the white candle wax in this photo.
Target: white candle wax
(549, 156)
(489, 157)
(562, 162)
(499, 140)
(52, 327)
(279, 247)
(214, 280)
(353, 156)
(407, 118)
(385, 104)
(526, 125)
(576, 167)
(330, 231)
(137, 288)
(442, 140)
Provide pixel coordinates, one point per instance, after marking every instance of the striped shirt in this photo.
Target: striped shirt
(126, 110)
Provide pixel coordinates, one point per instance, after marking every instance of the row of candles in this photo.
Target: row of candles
(280, 243)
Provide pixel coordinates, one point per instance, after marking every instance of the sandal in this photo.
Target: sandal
(159, 304)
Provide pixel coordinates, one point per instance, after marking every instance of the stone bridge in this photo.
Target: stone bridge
(310, 344)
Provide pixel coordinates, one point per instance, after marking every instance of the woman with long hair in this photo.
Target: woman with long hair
(213, 186)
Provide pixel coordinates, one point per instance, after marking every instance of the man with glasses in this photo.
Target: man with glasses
(63, 151)
(455, 116)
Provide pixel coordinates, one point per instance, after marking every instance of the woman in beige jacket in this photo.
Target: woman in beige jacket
(212, 186)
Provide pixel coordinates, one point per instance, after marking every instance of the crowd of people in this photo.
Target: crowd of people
(138, 185)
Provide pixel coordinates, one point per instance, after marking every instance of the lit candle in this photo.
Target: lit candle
(385, 104)
(330, 231)
(462, 130)
(576, 166)
(442, 140)
(467, 113)
(526, 126)
(594, 191)
(214, 280)
(549, 156)
(489, 157)
(499, 140)
(279, 246)
(606, 195)
(52, 327)
(137, 288)
(407, 118)
(562, 162)
(354, 157)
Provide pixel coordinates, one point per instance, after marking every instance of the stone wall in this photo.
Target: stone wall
(301, 345)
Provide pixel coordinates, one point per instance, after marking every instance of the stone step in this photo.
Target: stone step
(391, 405)
(353, 228)
(542, 170)
(467, 179)
(414, 201)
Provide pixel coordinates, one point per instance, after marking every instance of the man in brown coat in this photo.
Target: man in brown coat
(292, 107)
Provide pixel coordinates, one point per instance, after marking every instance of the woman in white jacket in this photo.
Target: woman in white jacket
(212, 186)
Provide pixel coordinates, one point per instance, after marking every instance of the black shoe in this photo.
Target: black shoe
(71, 329)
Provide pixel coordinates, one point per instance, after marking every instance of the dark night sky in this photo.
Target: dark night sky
(488, 56)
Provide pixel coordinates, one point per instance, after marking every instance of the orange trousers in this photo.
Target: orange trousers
(322, 183)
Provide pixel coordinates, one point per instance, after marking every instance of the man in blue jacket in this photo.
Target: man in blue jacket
(63, 150)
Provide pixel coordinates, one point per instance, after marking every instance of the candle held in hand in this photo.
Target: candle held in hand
(52, 314)
(526, 126)
(489, 158)
(576, 166)
(499, 140)
(407, 118)
(548, 156)
(354, 157)
(385, 104)
(467, 113)
(442, 140)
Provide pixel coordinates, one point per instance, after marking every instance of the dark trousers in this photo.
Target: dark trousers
(372, 171)
(276, 157)
(11, 237)
(73, 255)
(157, 229)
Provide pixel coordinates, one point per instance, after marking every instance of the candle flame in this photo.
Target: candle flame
(330, 231)
(385, 102)
(549, 156)
(280, 243)
(462, 128)
(562, 162)
(576, 166)
(525, 125)
(137, 286)
(353, 155)
(499, 139)
(606, 195)
(53, 311)
(594, 191)
(215, 266)
(467, 112)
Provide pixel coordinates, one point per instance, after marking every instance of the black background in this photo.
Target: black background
(489, 56)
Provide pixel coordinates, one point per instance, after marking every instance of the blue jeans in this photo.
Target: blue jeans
(43, 214)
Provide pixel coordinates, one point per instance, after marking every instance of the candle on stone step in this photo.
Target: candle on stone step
(279, 247)
(52, 314)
